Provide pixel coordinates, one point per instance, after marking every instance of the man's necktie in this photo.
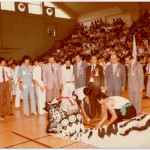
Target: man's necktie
(92, 72)
(3, 74)
(52, 68)
(78, 70)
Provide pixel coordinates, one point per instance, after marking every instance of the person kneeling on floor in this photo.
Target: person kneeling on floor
(118, 109)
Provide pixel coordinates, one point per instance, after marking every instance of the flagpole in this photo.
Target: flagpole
(134, 50)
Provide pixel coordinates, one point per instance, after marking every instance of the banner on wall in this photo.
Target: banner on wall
(49, 11)
(21, 7)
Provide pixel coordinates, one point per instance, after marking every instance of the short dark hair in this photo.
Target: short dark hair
(101, 95)
(51, 56)
(79, 55)
(129, 56)
(2, 59)
(68, 58)
(87, 91)
(40, 59)
(18, 62)
(25, 57)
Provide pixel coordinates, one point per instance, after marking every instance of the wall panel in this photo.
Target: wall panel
(26, 34)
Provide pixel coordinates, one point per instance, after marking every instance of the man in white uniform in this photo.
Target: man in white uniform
(67, 78)
(82, 98)
(17, 89)
(39, 85)
(148, 79)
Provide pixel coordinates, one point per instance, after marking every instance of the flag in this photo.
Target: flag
(134, 51)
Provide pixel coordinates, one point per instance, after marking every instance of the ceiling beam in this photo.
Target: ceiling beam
(61, 6)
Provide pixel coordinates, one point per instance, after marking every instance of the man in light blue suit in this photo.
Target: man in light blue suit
(26, 85)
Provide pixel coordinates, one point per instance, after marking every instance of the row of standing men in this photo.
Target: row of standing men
(44, 81)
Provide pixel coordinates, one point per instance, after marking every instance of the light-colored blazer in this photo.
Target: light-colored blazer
(81, 80)
(135, 82)
(50, 77)
(114, 81)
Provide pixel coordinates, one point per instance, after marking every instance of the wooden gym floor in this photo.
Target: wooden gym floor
(19, 131)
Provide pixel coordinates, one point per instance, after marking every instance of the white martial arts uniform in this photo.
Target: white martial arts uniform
(148, 80)
(41, 96)
(17, 89)
(79, 92)
(68, 81)
(12, 72)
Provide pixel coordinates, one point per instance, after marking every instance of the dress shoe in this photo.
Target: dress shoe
(1, 119)
(98, 116)
(11, 114)
(95, 116)
(146, 97)
(3, 116)
(91, 116)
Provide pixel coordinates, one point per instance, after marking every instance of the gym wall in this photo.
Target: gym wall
(22, 34)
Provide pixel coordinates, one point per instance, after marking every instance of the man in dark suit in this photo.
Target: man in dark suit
(79, 71)
(115, 77)
(95, 81)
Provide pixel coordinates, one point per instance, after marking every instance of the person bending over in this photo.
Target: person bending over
(118, 109)
(82, 98)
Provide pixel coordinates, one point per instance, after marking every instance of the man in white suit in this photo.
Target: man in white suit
(67, 78)
(18, 91)
(52, 78)
(39, 86)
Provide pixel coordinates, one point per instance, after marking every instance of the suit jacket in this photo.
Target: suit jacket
(136, 81)
(98, 80)
(81, 80)
(117, 80)
(50, 77)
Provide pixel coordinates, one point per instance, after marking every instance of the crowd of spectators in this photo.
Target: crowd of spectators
(104, 39)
